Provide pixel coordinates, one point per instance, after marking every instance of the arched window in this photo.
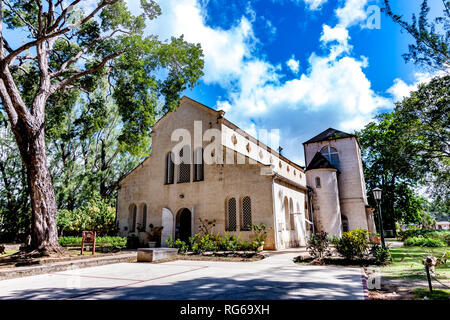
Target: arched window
(344, 223)
(317, 182)
(170, 167)
(132, 218)
(144, 217)
(184, 169)
(246, 214)
(331, 154)
(198, 165)
(286, 213)
(231, 214)
(291, 216)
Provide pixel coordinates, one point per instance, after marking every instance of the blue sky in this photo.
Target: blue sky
(297, 66)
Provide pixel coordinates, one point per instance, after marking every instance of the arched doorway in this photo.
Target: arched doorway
(184, 225)
(167, 224)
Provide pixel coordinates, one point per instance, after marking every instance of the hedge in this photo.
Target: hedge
(115, 242)
(421, 241)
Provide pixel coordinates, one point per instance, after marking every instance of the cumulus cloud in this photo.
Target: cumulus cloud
(351, 13)
(400, 89)
(293, 64)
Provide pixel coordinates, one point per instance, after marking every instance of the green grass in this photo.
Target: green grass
(407, 263)
(8, 253)
(420, 293)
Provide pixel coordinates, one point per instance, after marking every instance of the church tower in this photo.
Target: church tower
(333, 159)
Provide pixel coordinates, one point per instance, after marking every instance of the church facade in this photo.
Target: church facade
(202, 166)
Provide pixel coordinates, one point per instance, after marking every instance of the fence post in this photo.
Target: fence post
(428, 277)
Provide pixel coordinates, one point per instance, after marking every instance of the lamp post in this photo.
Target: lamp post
(377, 196)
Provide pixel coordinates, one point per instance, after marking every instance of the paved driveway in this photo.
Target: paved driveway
(276, 277)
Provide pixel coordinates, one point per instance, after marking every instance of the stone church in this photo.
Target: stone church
(219, 172)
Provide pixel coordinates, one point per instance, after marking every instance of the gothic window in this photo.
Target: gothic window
(246, 214)
(291, 216)
(144, 217)
(286, 213)
(198, 165)
(331, 154)
(170, 167)
(231, 212)
(184, 168)
(317, 182)
(132, 218)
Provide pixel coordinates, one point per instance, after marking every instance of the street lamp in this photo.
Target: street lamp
(377, 196)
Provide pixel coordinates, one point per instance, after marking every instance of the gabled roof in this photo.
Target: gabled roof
(330, 134)
(320, 162)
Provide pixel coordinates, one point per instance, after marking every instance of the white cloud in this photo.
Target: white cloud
(314, 4)
(225, 50)
(400, 90)
(294, 65)
(351, 13)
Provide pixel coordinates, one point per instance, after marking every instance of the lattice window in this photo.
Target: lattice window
(198, 165)
(231, 214)
(170, 168)
(184, 169)
(246, 214)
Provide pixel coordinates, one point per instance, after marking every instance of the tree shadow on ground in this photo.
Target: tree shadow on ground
(276, 284)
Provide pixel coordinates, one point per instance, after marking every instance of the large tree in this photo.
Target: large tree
(69, 50)
(390, 162)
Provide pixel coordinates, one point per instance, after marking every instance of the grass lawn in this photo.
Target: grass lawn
(435, 295)
(407, 263)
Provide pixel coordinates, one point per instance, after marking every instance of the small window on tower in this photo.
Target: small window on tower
(317, 182)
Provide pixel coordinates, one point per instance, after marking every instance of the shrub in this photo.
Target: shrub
(353, 244)
(179, 244)
(227, 242)
(259, 233)
(114, 242)
(381, 255)
(318, 245)
(97, 215)
(421, 241)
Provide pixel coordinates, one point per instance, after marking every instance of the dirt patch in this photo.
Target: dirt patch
(397, 288)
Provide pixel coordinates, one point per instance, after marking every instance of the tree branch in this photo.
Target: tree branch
(67, 81)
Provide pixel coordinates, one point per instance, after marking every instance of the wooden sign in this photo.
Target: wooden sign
(88, 236)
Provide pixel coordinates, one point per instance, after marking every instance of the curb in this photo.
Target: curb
(364, 283)
(27, 271)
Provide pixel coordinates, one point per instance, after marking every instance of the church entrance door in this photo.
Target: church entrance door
(184, 225)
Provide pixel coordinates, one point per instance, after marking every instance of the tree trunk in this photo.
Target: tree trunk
(43, 202)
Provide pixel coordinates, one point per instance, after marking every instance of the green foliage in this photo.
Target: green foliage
(200, 243)
(381, 255)
(431, 38)
(421, 241)
(443, 235)
(15, 211)
(318, 245)
(353, 244)
(97, 215)
(179, 244)
(114, 242)
(259, 233)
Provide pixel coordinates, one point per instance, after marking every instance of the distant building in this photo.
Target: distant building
(442, 225)
(222, 173)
